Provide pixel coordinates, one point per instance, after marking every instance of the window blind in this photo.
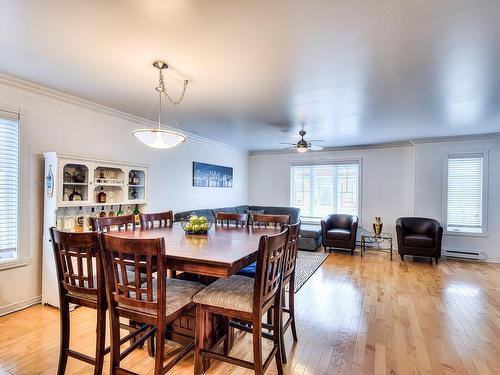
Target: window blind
(465, 193)
(9, 185)
(319, 190)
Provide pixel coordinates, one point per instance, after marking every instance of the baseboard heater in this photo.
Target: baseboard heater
(463, 254)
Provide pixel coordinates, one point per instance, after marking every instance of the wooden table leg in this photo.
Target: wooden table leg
(208, 337)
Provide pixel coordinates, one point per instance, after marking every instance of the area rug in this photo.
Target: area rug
(307, 264)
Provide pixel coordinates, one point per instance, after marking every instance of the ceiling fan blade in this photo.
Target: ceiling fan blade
(290, 148)
(316, 140)
(315, 147)
(287, 143)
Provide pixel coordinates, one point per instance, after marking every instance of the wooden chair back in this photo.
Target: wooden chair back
(268, 274)
(159, 219)
(265, 220)
(230, 218)
(120, 223)
(78, 266)
(123, 257)
(291, 251)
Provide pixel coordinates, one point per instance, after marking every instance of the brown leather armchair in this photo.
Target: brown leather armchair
(419, 236)
(339, 230)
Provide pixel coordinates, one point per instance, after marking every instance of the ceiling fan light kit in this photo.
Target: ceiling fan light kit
(157, 137)
(302, 145)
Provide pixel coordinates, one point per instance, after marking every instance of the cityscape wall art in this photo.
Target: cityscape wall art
(210, 175)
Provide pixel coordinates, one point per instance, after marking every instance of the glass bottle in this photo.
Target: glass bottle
(120, 211)
(79, 222)
(111, 212)
(135, 179)
(90, 221)
(75, 195)
(60, 218)
(65, 195)
(129, 211)
(136, 213)
(102, 213)
(101, 196)
(69, 221)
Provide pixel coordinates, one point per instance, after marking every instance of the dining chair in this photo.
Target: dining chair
(247, 300)
(81, 281)
(159, 220)
(288, 287)
(119, 223)
(265, 220)
(154, 303)
(231, 219)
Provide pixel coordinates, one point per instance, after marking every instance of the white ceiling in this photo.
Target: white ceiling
(355, 71)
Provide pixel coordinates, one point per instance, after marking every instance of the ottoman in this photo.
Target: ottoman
(310, 237)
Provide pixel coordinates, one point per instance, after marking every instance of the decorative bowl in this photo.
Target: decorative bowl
(196, 225)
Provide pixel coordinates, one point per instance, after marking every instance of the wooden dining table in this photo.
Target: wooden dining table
(221, 252)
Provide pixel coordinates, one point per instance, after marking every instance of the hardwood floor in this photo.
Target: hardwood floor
(355, 316)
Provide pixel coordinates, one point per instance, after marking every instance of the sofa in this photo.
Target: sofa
(419, 236)
(209, 213)
(310, 236)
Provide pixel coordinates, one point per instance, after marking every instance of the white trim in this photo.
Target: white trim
(13, 307)
(466, 153)
(59, 95)
(14, 263)
(329, 161)
(406, 143)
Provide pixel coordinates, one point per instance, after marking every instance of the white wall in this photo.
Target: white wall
(396, 181)
(429, 178)
(51, 124)
(387, 184)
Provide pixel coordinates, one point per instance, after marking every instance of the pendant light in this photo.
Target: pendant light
(157, 137)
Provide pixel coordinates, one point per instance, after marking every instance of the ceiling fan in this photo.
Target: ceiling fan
(302, 145)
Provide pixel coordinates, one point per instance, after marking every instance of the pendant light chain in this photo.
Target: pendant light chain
(162, 89)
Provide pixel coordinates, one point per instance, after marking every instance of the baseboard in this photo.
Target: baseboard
(4, 310)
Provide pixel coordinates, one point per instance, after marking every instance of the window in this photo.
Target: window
(319, 190)
(9, 185)
(465, 203)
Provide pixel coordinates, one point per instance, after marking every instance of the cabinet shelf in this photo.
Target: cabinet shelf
(75, 183)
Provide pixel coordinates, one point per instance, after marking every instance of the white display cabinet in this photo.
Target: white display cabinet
(72, 189)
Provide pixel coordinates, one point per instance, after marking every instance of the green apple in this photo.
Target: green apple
(188, 227)
(202, 219)
(196, 228)
(204, 227)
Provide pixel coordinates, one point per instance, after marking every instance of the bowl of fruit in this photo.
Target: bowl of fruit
(195, 224)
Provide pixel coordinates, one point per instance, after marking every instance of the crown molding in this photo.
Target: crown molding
(9, 80)
(408, 143)
(458, 138)
(332, 149)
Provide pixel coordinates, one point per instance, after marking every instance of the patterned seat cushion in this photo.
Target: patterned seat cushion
(233, 293)
(179, 293)
(249, 271)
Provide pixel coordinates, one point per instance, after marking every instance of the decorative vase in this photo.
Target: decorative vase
(377, 226)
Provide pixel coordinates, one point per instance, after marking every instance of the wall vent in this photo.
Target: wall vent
(464, 254)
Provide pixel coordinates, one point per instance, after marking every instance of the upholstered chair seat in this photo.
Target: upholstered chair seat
(339, 234)
(419, 240)
(179, 293)
(234, 293)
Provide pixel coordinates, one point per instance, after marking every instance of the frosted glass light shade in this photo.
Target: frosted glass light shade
(159, 138)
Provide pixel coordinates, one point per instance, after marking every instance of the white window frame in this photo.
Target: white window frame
(299, 163)
(471, 153)
(23, 256)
